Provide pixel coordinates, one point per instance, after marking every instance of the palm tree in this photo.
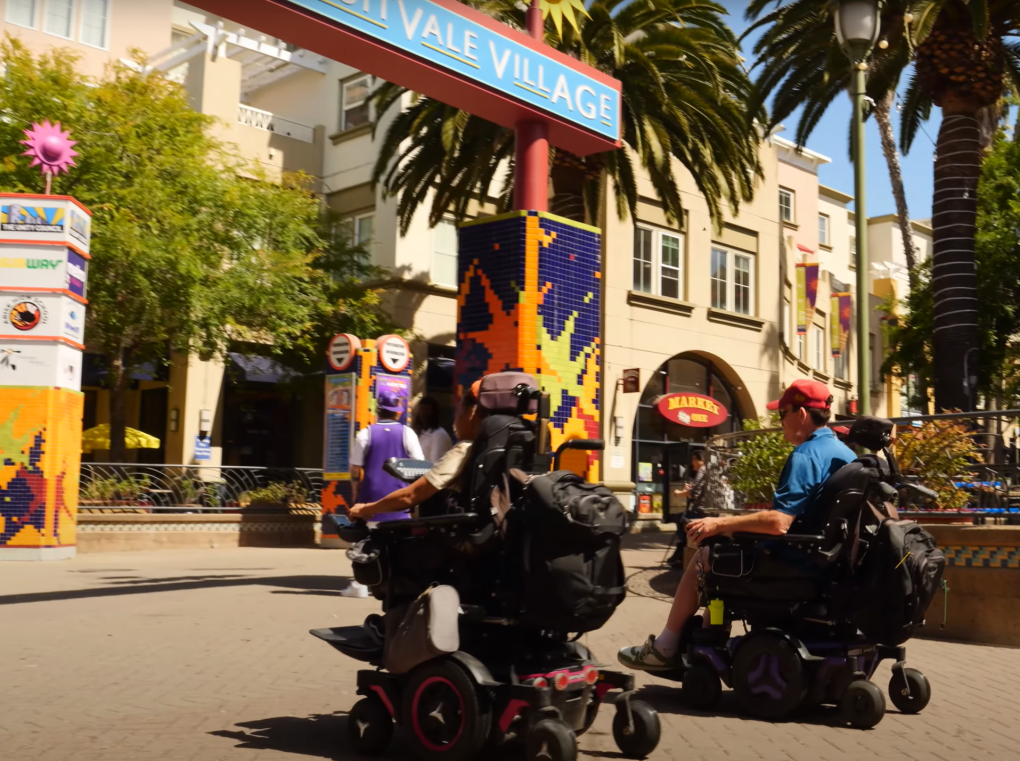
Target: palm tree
(965, 60)
(684, 97)
(883, 118)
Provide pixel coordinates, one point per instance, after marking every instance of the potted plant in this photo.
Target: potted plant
(759, 463)
(269, 498)
(935, 454)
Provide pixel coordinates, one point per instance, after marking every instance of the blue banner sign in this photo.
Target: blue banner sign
(441, 36)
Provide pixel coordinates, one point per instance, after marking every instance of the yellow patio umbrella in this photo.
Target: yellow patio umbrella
(99, 438)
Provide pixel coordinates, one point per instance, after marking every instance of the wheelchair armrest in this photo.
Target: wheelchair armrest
(791, 539)
(438, 521)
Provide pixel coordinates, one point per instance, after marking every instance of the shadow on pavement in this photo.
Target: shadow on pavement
(666, 700)
(302, 584)
(320, 736)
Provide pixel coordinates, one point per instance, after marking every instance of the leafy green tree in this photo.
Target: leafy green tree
(191, 249)
(966, 57)
(685, 96)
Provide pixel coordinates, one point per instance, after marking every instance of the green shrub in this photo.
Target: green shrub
(761, 458)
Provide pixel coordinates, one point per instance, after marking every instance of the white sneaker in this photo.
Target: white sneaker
(354, 589)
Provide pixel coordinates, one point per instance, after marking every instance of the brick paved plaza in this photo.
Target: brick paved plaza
(205, 655)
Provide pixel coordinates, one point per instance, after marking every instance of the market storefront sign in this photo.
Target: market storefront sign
(692, 410)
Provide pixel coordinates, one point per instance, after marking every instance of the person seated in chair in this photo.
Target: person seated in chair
(804, 410)
(445, 474)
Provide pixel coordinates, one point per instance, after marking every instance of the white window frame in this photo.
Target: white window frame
(356, 222)
(345, 106)
(826, 239)
(793, 206)
(658, 268)
(35, 15)
(435, 253)
(818, 340)
(853, 252)
(787, 318)
(70, 21)
(106, 30)
(841, 366)
(731, 256)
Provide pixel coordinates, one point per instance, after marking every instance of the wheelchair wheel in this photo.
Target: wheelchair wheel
(551, 740)
(863, 704)
(768, 677)
(641, 739)
(909, 690)
(445, 713)
(369, 727)
(701, 688)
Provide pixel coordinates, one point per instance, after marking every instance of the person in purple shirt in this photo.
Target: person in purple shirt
(373, 446)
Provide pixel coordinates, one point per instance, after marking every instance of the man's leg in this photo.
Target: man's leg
(660, 653)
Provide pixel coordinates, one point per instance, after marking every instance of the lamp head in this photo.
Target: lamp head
(858, 25)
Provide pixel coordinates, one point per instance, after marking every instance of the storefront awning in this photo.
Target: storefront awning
(258, 369)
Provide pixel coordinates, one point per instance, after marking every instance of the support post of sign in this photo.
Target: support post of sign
(531, 143)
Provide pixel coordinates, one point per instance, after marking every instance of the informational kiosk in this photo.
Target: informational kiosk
(44, 256)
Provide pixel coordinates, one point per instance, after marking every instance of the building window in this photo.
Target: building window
(787, 324)
(732, 281)
(786, 205)
(95, 17)
(839, 366)
(444, 253)
(853, 253)
(59, 14)
(818, 338)
(21, 12)
(658, 262)
(354, 106)
(823, 230)
(363, 229)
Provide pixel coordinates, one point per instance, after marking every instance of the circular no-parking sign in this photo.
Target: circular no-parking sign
(342, 348)
(394, 353)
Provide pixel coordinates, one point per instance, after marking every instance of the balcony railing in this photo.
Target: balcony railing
(270, 122)
(125, 487)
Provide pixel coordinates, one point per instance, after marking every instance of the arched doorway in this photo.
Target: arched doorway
(662, 448)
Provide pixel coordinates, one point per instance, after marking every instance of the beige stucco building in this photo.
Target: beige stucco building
(693, 308)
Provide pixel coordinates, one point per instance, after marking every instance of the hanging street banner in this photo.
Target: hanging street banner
(807, 295)
(837, 350)
(845, 319)
(453, 53)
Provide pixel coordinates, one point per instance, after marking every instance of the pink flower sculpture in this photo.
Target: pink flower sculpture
(50, 147)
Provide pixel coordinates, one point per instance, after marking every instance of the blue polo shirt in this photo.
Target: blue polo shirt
(806, 471)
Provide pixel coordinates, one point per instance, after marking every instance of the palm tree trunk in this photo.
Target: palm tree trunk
(954, 276)
(883, 109)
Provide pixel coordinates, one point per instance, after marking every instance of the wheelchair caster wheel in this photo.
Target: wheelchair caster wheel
(701, 688)
(909, 690)
(641, 738)
(369, 727)
(551, 740)
(863, 704)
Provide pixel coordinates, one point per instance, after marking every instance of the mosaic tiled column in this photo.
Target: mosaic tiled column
(44, 252)
(373, 365)
(529, 300)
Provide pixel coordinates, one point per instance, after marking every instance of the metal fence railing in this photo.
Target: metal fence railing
(126, 487)
(987, 487)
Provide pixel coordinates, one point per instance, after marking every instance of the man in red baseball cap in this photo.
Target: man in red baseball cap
(804, 409)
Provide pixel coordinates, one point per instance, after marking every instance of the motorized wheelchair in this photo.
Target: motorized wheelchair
(795, 595)
(510, 680)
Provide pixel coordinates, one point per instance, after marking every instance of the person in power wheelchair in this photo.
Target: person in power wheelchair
(824, 597)
(804, 410)
(503, 660)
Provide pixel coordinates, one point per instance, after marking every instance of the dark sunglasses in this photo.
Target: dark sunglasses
(782, 413)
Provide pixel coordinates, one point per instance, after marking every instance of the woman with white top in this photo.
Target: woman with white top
(434, 440)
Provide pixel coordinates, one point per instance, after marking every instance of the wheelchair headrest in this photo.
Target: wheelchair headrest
(501, 393)
(872, 433)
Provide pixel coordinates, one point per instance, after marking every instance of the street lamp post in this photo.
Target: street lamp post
(857, 29)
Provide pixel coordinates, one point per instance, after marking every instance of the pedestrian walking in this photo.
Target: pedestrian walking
(435, 441)
(373, 446)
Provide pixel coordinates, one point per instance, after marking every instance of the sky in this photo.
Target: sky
(830, 139)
